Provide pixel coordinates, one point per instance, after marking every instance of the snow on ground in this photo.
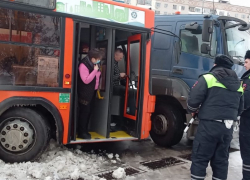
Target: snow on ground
(59, 162)
(119, 173)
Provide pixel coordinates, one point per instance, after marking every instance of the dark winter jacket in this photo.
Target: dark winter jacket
(219, 93)
(86, 91)
(116, 76)
(246, 87)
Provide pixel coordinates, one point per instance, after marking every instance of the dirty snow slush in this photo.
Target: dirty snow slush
(57, 163)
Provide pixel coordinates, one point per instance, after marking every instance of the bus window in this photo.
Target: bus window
(23, 62)
(35, 29)
(133, 77)
(50, 4)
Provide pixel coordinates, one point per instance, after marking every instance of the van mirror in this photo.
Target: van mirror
(244, 27)
(205, 48)
(207, 30)
(194, 28)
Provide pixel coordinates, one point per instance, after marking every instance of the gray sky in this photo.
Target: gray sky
(240, 2)
(237, 2)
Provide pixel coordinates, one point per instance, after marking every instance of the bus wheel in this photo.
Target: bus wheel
(167, 125)
(24, 135)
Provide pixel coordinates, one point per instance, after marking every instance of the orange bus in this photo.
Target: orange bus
(41, 43)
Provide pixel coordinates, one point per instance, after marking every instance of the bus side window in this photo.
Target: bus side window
(23, 62)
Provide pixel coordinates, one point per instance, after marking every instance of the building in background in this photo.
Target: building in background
(218, 7)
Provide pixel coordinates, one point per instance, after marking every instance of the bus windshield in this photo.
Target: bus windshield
(50, 4)
(238, 42)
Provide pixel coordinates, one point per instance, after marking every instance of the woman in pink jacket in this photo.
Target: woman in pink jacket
(87, 85)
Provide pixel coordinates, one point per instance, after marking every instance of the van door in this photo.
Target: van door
(133, 77)
(161, 56)
(191, 62)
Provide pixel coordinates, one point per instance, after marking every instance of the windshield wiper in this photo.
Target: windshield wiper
(239, 42)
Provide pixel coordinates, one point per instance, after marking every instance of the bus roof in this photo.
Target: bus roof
(98, 9)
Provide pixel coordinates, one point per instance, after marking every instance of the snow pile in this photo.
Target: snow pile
(55, 164)
(111, 156)
(117, 157)
(119, 173)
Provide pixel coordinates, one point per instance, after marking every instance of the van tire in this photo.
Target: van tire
(170, 133)
(29, 146)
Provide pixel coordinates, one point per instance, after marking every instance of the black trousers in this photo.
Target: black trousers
(211, 143)
(245, 146)
(85, 112)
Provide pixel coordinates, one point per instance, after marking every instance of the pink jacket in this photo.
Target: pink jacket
(88, 77)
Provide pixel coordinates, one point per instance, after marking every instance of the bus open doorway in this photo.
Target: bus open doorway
(117, 104)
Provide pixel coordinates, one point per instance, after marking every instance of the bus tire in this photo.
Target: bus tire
(167, 125)
(24, 135)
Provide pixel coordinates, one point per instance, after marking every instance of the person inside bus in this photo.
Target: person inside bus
(117, 77)
(88, 82)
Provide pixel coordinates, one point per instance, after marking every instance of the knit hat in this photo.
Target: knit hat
(224, 61)
(247, 56)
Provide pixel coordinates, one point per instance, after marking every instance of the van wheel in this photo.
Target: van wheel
(24, 135)
(167, 126)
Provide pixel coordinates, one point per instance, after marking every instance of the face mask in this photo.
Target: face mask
(97, 62)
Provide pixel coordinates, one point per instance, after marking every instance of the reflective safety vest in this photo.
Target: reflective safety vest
(213, 82)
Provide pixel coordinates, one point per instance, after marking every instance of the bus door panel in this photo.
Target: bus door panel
(133, 76)
(100, 113)
(74, 78)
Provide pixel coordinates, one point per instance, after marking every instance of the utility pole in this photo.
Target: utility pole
(213, 8)
(202, 5)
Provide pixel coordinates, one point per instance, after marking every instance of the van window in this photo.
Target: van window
(191, 43)
(162, 41)
(238, 42)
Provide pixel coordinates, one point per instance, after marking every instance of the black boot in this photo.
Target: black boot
(84, 136)
(83, 121)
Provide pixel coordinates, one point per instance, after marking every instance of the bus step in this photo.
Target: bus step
(94, 135)
(119, 134)
(113, 135)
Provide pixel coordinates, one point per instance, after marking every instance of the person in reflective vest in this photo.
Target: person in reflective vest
(218, 96)
(245, 120)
